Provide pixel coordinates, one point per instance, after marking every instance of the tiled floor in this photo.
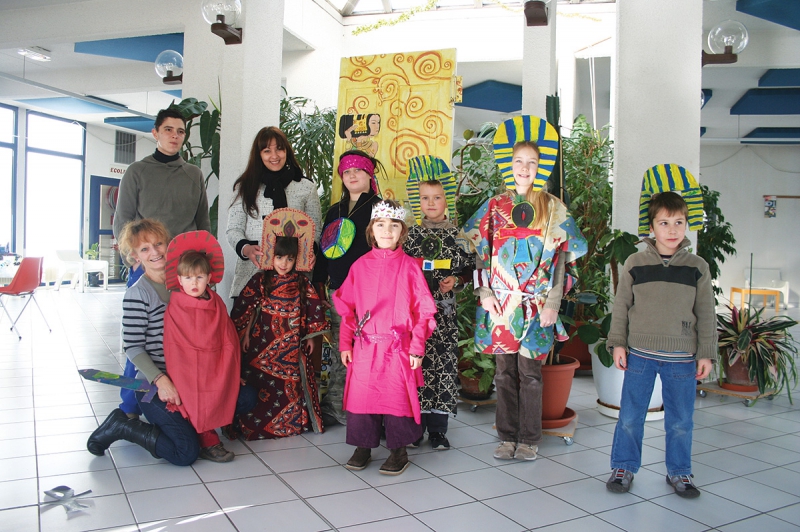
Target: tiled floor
(746, 461)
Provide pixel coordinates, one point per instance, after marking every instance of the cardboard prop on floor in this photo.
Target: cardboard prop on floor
(137, 385)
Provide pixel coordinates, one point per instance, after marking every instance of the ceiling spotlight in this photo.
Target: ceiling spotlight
(169, 67)
(726, 40)
(536, 13)
(37, 53)
(222, 15)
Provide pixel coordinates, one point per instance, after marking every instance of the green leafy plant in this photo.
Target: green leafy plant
(715, 240)
(311, 132)
(93, 253)
(765, 346)
(207, 129)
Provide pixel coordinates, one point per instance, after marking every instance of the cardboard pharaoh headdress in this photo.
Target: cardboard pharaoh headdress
(429, 168)
(201, 241)
(291, 223)
(526, 128)
(670, 178)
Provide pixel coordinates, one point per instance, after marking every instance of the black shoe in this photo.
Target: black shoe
(117, 426)
(416, 444)
(328, 420)
(439, 441)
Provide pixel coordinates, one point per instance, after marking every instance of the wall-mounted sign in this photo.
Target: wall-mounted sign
(770, 206)
(117, 170)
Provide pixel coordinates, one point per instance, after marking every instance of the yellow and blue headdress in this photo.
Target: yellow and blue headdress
(670, 178)
(429, 168)
(526, 128)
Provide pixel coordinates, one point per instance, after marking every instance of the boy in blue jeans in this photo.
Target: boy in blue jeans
(664, 322)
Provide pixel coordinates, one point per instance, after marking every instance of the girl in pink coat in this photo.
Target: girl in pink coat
(387, 315)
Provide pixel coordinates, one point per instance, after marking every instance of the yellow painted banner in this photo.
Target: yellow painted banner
(395, 107)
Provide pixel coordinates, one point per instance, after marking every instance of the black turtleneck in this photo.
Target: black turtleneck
(160, 157)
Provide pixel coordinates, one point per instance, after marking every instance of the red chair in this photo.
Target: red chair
(24, 283)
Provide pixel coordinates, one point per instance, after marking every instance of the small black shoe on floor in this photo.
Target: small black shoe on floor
(416, 444)
(438, 441)
(329, 420)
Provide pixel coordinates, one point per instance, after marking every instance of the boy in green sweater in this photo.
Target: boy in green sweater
(663, 323)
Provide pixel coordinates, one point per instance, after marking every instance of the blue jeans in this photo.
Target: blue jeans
(129, 404)
(679, 385)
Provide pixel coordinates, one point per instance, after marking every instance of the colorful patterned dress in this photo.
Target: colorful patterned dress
(274, 363)
(522, 262)
(440, 242)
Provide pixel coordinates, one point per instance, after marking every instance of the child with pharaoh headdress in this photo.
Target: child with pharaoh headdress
(278, 316)
(447, 264)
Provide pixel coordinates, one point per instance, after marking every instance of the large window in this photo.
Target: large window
(8, 144)
(53, 185)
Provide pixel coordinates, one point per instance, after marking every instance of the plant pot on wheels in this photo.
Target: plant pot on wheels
(737, 375)
(608, 383)
(556, 386)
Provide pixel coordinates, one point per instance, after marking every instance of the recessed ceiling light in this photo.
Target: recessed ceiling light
(37, 53)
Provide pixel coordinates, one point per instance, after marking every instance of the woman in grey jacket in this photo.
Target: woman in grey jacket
(272, 180)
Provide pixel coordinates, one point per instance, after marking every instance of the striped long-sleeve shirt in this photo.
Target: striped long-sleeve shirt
(143, 310)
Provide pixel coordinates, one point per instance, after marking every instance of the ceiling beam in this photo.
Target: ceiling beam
(387, 6)
(348, 8)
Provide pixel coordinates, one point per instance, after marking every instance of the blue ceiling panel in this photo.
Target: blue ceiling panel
(493, 96)
(768, 102)
(707, 95)
(174, 93)
(702, 131)
(137, 48)
(783, 12)
(777, 135)
(780, 77)
(137, 123)
(67, 104)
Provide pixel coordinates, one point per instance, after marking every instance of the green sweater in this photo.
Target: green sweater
(668, 308)
(173, 193)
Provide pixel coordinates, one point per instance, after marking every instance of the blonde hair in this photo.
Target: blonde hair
(539, 199)
(136, 231)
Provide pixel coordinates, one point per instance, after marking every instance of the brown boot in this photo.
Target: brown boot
(359, 460)
(396, 463)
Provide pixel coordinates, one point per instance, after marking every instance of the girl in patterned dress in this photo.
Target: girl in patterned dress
(278, 315)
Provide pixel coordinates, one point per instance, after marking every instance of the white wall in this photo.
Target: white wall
(743, 175)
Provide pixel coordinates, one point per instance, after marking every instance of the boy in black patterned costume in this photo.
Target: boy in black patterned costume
(447, 265)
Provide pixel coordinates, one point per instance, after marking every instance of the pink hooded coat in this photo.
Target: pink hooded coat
(390, 285)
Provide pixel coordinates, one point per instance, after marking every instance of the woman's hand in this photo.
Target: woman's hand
(416, 361)
(548, 317)
(447, 284)
(347, 357)
(491, 305)
(253, 253)
(167, 391)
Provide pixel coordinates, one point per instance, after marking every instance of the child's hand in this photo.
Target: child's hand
(491, 305)
(347, 357)
(309, 344)
(253, 253)
(447, 284)
(548, 317)
(703, 368)
(620, 358)
(246, 341)
(416, 361)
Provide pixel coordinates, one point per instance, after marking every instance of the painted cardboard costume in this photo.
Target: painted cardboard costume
(522, 261)
(201, 347)
(277, 320)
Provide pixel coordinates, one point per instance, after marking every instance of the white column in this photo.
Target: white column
(539, 73)
(656, 95)
(251, 88)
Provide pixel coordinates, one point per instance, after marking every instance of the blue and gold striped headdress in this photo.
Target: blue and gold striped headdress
(428, 168)
(670, 178)
(526, 128)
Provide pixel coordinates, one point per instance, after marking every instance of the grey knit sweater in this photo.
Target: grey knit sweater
(668, 308)
(173, 193)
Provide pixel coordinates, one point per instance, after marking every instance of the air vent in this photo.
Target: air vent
(125, 148)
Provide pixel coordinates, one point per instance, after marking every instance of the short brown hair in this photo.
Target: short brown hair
(403, 235)
(136, 231)
(192, 262)
(672, 202)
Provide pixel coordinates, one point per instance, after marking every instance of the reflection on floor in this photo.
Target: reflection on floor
(746, 460)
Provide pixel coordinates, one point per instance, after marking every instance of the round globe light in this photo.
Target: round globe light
(728, 33)
(169, 63)
(230, 9)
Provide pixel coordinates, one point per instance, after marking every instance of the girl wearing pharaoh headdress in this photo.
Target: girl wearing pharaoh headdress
(523, 238)
(278, 315)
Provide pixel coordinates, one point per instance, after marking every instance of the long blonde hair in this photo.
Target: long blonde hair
(539, 199)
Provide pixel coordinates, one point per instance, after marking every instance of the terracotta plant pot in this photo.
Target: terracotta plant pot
(577, 349)
(470, 388)
(556, 385)
(737, 375)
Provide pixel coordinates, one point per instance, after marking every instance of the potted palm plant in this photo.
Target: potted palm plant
(760, 352)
